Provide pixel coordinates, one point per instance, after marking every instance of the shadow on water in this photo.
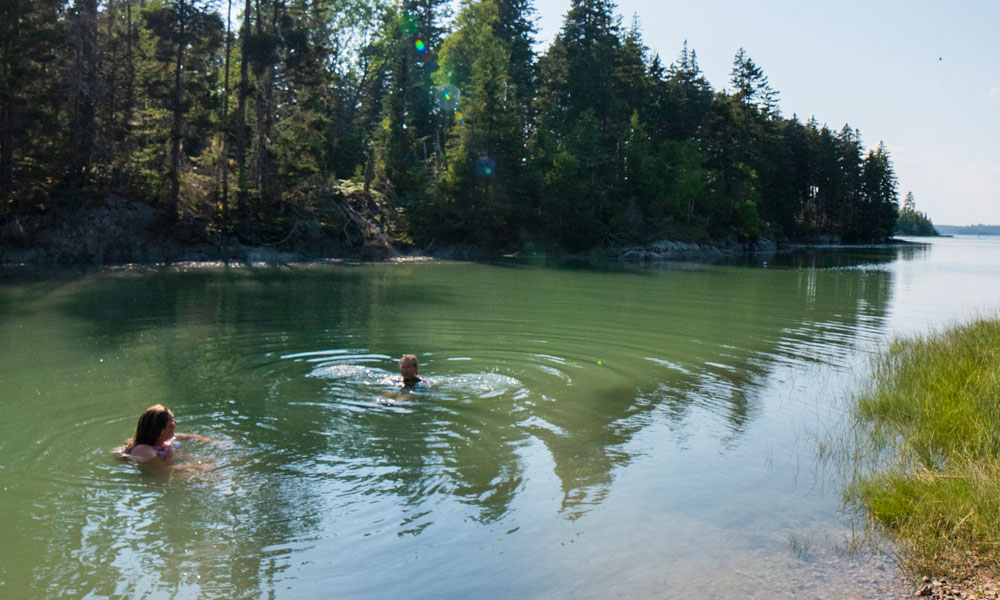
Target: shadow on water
(820, 258)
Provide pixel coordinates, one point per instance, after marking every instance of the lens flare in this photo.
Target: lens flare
(486, 167)
(446, 97)
(420, 46)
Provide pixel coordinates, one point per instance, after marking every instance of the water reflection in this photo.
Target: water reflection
(546, 384)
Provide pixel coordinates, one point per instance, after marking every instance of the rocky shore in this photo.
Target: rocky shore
(666, 250)
(670, 250)
(942, 589)
(125, 232)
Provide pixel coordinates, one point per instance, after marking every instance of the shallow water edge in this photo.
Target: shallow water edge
(95, 253)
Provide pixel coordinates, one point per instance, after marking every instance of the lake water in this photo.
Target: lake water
(588, 431)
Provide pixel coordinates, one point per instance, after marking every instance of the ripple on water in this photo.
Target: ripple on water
(354, 383)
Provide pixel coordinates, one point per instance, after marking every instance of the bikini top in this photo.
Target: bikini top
(166, 450)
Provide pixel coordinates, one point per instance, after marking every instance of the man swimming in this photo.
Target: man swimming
(408, 369)
(408, 373)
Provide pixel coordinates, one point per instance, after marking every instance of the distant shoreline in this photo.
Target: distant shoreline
(968, 229)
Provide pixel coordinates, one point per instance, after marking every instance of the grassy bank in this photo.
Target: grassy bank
(932, 416)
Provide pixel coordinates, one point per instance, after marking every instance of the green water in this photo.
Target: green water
(588, 431)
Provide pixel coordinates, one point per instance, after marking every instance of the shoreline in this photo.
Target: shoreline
(927, 478)
(112, 253)
(123, 232)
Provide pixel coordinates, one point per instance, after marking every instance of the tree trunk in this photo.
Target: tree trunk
(175, 131)
(130, 79)
(112, 129)
(86, 90)
(265, 97)
(225, 121)
(7, 119)
(241, 111)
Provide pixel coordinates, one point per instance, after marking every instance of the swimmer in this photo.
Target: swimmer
(408, 376)
(155, 438)
(408, 369)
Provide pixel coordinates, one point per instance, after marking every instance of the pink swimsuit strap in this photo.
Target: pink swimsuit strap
(164, 450)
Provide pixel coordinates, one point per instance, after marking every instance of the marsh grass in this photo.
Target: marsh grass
(930, 433)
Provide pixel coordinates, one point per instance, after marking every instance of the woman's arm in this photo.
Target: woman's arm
(199, 466)
(193, 436)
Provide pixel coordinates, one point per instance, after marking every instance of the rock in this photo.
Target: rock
(375, 250)
(925, 590)
(633, 255)
(663, 246)
(764, 246)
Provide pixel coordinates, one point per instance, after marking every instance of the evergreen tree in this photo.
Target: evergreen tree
(581, 120)
(30, 153)
(83, 82)
(913, 222)
(596, 143)
(514, 27)
(406, 138)
(483, 164)
(184, 38)
(586, 48)
(683, 97)
(879, 188)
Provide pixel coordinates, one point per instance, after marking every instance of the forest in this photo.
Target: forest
(270, 121)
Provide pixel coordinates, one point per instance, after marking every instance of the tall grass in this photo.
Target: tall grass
(932, 415)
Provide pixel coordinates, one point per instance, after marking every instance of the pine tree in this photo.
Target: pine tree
(85, 90)
(913, 222)
(683, 97)
(880, 193)
(576, 103)
(31, 154)
(515, 28)
(241, 108)
(584, 52)
(405, 140)
(180, 75)
(483, 165)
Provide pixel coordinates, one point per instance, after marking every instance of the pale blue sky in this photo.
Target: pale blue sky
(871, 64)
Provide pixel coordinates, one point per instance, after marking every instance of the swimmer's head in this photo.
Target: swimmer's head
(408, 368)
(153, 425)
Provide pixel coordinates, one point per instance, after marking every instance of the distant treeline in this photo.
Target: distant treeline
(969, 229)
(464, 132)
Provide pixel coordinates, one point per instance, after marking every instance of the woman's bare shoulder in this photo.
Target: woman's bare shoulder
(142, 452)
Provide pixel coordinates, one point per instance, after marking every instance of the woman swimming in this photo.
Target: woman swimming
(155, 438)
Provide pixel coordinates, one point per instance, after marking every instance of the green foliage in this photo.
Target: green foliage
(940, 490)
(911, 221)
(593, 142)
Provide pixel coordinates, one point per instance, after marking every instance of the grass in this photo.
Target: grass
(932, 419)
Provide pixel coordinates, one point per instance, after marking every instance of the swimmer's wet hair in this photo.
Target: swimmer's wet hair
(150, 425)
(407, 358)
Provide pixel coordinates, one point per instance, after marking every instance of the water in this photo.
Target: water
(589, 432)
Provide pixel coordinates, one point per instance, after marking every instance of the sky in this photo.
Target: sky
(922, 77)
